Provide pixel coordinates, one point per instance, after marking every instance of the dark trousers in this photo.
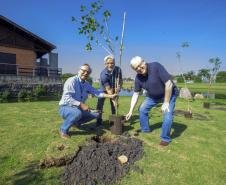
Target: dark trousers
(100, 105)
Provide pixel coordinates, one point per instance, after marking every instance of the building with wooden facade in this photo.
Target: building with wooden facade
(21, 53)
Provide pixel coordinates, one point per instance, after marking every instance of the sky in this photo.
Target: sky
(154, 30)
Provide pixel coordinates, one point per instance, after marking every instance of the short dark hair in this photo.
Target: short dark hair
(90, 69)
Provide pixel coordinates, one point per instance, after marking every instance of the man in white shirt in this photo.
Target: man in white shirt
(72, 104)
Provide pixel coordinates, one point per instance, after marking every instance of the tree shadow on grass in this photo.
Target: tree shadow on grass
(134, 119)
(178, 128)
(28, 175)
(87, 129)
(4, 158)
(31, 174)
(91, 128)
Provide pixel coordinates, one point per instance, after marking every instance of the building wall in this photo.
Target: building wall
(11, 38)
(23, 58)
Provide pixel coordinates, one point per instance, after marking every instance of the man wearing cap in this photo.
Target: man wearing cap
(73, 109)
(156, 81)
(110, 83)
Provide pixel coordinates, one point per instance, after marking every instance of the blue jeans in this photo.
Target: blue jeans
(100, 105)
(144, 109)
(74, 115)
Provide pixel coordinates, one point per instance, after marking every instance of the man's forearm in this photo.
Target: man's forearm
(168, 90)
(134, 101)
(107, 95)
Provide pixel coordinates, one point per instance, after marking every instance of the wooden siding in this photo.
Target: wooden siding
(23, 57)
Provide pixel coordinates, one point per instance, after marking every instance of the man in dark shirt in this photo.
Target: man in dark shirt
(110, 83)
(156, 81)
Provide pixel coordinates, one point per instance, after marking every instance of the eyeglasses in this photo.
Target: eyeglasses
(85, 71)
(110, 63)
(140, 66)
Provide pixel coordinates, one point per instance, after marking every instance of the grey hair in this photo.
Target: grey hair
(135, 61)
(109, 57)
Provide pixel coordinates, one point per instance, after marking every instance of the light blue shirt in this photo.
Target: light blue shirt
(76, 91)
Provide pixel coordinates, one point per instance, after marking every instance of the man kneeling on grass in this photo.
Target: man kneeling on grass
(72, 104)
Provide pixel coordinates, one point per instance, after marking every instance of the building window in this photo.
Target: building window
(7, 63)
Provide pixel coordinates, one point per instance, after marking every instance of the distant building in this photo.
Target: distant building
(21, 53)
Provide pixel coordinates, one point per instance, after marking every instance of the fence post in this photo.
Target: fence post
(48, 71)
(33, 70)
(17, 70)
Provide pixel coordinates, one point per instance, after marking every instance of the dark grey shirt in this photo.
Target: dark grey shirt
(108, 79)
(154, 81)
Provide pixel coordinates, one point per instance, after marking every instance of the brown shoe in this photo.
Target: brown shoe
(74, 126)
(163, 143)
(64, 136)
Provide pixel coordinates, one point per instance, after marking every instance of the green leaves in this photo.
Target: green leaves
(216, 64)
(94, 5)
(88, 47)
(82, 8)
(107, 14)
(90, 26)
(73, 19)
(185, 45)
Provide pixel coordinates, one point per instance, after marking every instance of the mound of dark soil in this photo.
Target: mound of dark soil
(97, 163)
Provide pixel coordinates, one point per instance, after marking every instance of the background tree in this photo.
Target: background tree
(179, 79)
(221, 76)
(190, 75)
(65, 76)
(216, 63)
(204, 74)
(178, 55)
(197, 79)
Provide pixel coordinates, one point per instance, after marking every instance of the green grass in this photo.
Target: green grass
(197, 154)
(203, 87)
(195, 87)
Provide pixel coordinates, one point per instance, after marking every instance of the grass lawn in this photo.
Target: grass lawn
(203, 87)
(219, 88)
(197, 154)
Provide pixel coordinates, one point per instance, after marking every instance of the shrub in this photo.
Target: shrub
(5, 96)
(221, 76)
(180, 79)
(197, 79)
(65, 76)
(39, 90)
(90, 80)
(24, 95)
